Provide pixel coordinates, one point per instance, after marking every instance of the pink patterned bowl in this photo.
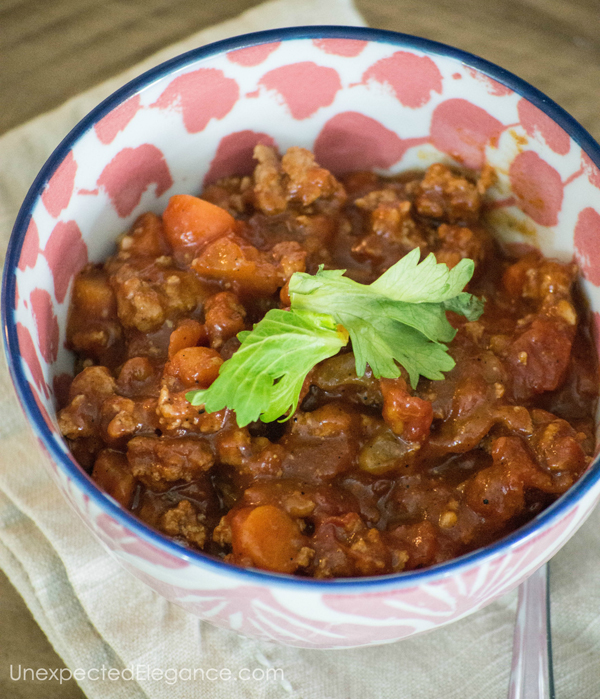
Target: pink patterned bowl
(361, 99)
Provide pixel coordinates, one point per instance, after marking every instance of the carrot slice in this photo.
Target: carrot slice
(195, 367)
(188, 333)
(191, 222)
(268, 536)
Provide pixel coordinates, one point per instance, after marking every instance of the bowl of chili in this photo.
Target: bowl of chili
(387, 504)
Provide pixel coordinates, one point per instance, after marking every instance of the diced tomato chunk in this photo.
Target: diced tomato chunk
(539, 358)
(408, 416)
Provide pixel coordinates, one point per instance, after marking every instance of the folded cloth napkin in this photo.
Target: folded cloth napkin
(99, 618)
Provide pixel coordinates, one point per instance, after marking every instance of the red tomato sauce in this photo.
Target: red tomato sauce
(368, 476)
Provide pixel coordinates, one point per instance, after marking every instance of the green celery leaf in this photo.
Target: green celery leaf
(428, 281)
(265, 376)
(466, 305)
(401, 317)
(399, 320)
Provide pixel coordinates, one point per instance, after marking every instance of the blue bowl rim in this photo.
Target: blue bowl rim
(125, 518)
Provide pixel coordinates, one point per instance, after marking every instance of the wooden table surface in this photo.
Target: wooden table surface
(51, 50)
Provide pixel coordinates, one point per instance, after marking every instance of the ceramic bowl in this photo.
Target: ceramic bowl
(361, 99)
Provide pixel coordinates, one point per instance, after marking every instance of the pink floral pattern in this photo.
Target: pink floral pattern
(253, 55)
(66, 253)
(359, 105)
(587, 243)
(464, 131)
(340, 47)
(200, 95)
(46, 323)
(352, 141)
(131, 172)
(59, 189)
(535, 122)
(303, 87)
(234, 154)
(537, 187)
(412, 78)
(114, 122)
(31, 247)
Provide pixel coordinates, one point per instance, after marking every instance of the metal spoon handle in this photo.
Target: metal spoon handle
(531, 673)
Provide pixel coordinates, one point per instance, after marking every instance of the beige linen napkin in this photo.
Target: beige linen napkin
(97, 616)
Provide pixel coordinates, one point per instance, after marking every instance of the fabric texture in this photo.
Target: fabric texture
(96, 615)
